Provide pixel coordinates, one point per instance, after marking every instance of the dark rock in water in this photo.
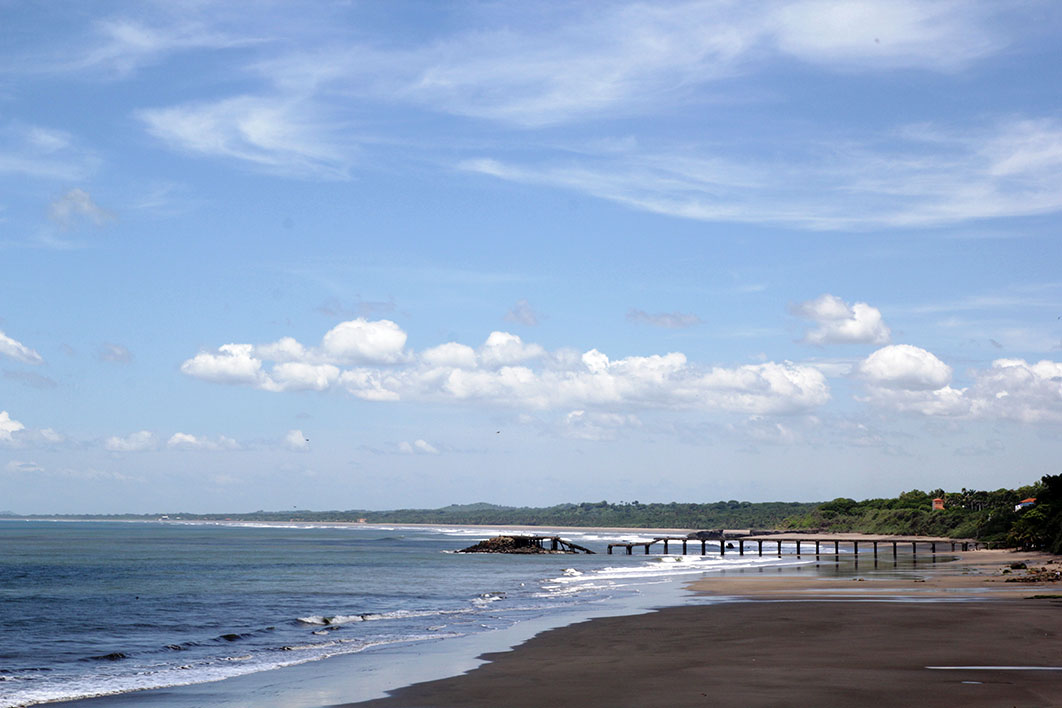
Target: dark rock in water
(113, 656)
(513, 544)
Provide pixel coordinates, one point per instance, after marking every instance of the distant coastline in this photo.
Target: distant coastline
(1028, 517)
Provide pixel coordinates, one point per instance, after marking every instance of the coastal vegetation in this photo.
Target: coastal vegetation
(993, 517)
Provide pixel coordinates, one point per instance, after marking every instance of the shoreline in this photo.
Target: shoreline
(773, 640)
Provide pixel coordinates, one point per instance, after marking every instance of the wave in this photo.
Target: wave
(207, 671)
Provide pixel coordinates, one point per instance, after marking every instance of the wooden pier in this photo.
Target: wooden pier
(823, 545)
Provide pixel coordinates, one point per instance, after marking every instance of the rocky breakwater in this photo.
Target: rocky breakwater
(525, 544)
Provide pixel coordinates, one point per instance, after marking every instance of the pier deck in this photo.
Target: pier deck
(823, 544)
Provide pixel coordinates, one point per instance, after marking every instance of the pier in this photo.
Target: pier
(823, 544)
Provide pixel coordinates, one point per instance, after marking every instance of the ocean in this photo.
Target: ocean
(114, 608)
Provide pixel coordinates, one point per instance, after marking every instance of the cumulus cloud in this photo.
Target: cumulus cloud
(77, 206)
(8, 426)
(839, 323)
(503, 348)
(507, 371)
(296, 440)
(187, 441)
(902, 366)
(233, 364)
(364, 341)
(18, 351)
(910, 379)
(1015, 389)
(451, 354)
(522, 313)
(667, 320)
(134, 442)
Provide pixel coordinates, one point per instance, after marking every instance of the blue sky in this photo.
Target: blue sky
(375, 255)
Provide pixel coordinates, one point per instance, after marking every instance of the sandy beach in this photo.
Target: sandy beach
(784, 641)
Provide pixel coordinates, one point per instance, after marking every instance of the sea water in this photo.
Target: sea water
(110, 608)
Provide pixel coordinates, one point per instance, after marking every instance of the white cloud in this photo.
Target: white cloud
(364, 341)
(76, 206)
(634, 57)
(8, 426)
(121, 45)
(284, 349)
(909, 379)
(902, 366)
(839, 322)
(18, 351)
(451, 354)
(515, 67)
(1013, 389)
(297, 440)
(924, 177)
(507, 371)
(234, 363)
(667, 320)
(277, 134)
(874, 35)
(502, 348)
(295, 375)
(134, 442)
(187, 441)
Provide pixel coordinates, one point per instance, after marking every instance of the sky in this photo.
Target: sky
(367, 255)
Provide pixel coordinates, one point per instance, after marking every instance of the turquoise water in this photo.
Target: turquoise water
(108, 608)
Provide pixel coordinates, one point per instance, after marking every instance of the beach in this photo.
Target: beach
(784, 641)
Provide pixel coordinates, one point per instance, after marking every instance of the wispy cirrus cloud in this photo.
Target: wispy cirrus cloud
(505, 65)
(929, 178)
(18, 351)
(284, 135)
(633, 58)
(35, 151)
(117, 47)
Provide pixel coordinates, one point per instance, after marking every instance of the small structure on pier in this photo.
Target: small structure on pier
(525, 544)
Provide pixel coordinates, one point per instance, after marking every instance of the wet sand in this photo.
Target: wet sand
(791, 642)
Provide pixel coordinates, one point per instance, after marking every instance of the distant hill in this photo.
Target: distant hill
(991, 517)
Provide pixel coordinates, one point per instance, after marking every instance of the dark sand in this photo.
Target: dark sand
(804, 651)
